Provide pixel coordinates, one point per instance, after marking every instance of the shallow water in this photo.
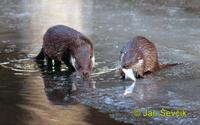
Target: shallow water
(29, 95)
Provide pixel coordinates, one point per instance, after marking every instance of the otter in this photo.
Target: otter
(64, 44)
(139, 55)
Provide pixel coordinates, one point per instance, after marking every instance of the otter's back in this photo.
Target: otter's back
(57, 39)
(149, 53)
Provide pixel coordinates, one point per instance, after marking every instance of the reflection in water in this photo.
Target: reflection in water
(129, 89)
(59, 88)
(64, 88)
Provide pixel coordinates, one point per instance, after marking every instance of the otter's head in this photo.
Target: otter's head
(129, 59)
(83, 60)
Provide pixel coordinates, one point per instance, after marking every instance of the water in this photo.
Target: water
(29, 95)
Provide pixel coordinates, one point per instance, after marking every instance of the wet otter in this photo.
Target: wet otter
(62, 43)
(139, 55)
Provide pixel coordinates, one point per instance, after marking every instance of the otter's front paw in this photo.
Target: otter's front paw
(137, 75)
(122, 76)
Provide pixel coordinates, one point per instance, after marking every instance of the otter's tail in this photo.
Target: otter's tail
(162, 66)
(40, 56)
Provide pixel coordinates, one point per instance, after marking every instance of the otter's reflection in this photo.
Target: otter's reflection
(59, 87)
(63, 86)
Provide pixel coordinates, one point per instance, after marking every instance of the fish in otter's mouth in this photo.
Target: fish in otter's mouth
(129, 73)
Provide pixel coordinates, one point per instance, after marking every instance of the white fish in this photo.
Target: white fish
(129, 73)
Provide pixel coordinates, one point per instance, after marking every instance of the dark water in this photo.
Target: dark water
(30, 96)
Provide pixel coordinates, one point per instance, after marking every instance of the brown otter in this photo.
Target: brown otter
(139, 55)
(62, 43)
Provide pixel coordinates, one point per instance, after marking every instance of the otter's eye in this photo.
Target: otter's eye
(90, 57)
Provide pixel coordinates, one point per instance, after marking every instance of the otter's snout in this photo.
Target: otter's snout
(85, 75)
